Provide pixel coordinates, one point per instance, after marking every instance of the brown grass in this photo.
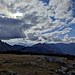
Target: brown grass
(18, 64)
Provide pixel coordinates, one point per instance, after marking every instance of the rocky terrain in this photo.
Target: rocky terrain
(35, 65)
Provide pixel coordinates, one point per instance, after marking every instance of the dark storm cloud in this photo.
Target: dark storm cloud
(10, 28)
(9, 21)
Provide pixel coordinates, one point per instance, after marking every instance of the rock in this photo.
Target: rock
(54, 59)
(71, 73)
(33, 63)
(71, 65)
(62, 70)
(39, 59)
(25, 64)
(5, 72)
(59, 60)
(11, 73)
(7, 61)
(49, 59)
(44, 64)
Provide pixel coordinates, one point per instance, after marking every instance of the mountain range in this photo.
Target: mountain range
(6, 47)
(58, 48)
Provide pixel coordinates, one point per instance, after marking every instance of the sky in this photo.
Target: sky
(37, 21)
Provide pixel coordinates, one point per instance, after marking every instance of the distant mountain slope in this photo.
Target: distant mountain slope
(66, 48)
(17, 47)
(58, 48)
(4, 46)
(53, 48)
(41, 48)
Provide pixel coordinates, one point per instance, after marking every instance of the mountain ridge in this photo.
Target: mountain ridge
(44, 48)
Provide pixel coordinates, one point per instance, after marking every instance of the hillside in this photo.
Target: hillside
(35, 65)
(42, 49)
(6, 47)
(53, 48)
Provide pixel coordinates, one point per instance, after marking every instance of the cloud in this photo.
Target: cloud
(73, 21)
(72, 39)
(37, 25)
(32, 36)
(60, 8)
(68, 39)
(10, 28)
(66, 30)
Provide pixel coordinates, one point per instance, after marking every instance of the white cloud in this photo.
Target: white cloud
(66, 38)
(72, 39)
(66, 30)
(37, 21)
(73, 21)
(60, 8)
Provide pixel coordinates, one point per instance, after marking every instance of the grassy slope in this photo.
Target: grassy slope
(18, 64)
